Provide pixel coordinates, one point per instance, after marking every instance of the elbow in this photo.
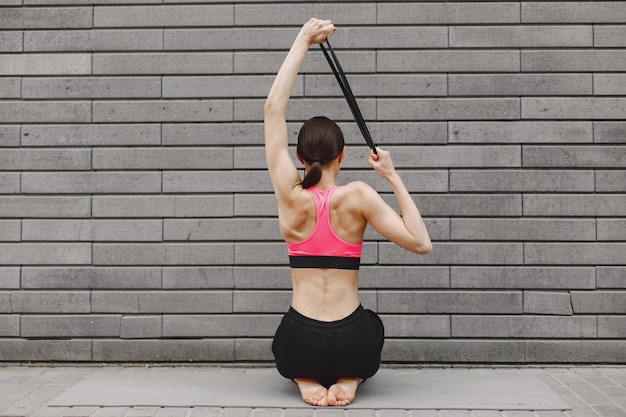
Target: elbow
(424, 248)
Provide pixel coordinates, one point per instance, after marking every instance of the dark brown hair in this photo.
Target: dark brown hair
(320, 141)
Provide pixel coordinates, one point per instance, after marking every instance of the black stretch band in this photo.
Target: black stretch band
(347, 92)
(334, 262)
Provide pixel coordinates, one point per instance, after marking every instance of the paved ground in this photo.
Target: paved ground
(26, 390)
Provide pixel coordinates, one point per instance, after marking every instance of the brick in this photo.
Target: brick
(574, 156)
(5, 307)
(9, 136)
(611, 277)
(438, 351)
(404, 277)
(45, 253)
(163, 254)
(521, 85)
(90, 278)
(415, 181)
(521, 36)
(520, 132)
(470, 205)
(268, 62)
(9, 277)
(222, 86)
(54, 326)
(11, 41)
(584, 60)
(212, 134)
(522, 180)
(163, 158)
(611, 327)
(517, 327)
(91, 182)
(9, 87)
(92, 230)
(410, 326)
(302, 109)
(392, 37)
(443, 109)
(447, 13)
(90, 135)
(609, 132)
(255, 277)
(9, 183)
(44, 159)
(599, 302)
(263, 301)
(162, 350)
(448, 61)
(94, 40)
(227, 39)
(456, 155)
(524, 229)
(9, 325)
(215, 182)
(576, 351)
(573, 108)
(96, 87)
(613, 229)
(158, 15)
(609, 84)
(163, 206)
(574, 205)
(441, 302)
(45, 350)
(609, 36)
(163, 63)
(140, 327)
(255, 349)
(455, 253)
(10, 229)
(221, 229)
(255, 205)
(46, 17)
(572, 12)
(50, 302)
(548, 302)
(278, 15)
(198, 278)
(607, 181)
(523, 277)
(379, 85)
(162, 111)
(25, 206)
(45, 112)
(150, 302)
(574, 253)
(258, 325)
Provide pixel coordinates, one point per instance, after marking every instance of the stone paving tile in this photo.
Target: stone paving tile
(590, 391)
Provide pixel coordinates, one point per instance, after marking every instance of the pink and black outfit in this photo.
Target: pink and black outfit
(308, 348)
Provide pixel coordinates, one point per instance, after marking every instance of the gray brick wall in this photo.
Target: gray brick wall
(136, 216)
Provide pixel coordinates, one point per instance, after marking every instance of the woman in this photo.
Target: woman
(327, 343)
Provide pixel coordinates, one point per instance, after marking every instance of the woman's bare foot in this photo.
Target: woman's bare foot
(343, 391)
(313, 392)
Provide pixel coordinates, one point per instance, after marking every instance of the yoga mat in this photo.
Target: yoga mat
(467, 389)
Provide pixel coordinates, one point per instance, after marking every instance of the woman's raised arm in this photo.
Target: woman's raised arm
(282, 171)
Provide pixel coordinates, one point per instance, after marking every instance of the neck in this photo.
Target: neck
(327, 180)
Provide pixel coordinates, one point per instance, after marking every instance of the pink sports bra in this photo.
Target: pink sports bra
(323, 248)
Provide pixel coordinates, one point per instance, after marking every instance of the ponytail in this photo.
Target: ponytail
(313, 175)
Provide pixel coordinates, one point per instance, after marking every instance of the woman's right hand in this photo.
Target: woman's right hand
(317, 30)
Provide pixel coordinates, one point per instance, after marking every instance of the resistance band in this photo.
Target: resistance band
(347, 92)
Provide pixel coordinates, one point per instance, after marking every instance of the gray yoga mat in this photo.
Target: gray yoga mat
(467, 389)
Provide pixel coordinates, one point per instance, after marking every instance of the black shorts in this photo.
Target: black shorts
(326, 351)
